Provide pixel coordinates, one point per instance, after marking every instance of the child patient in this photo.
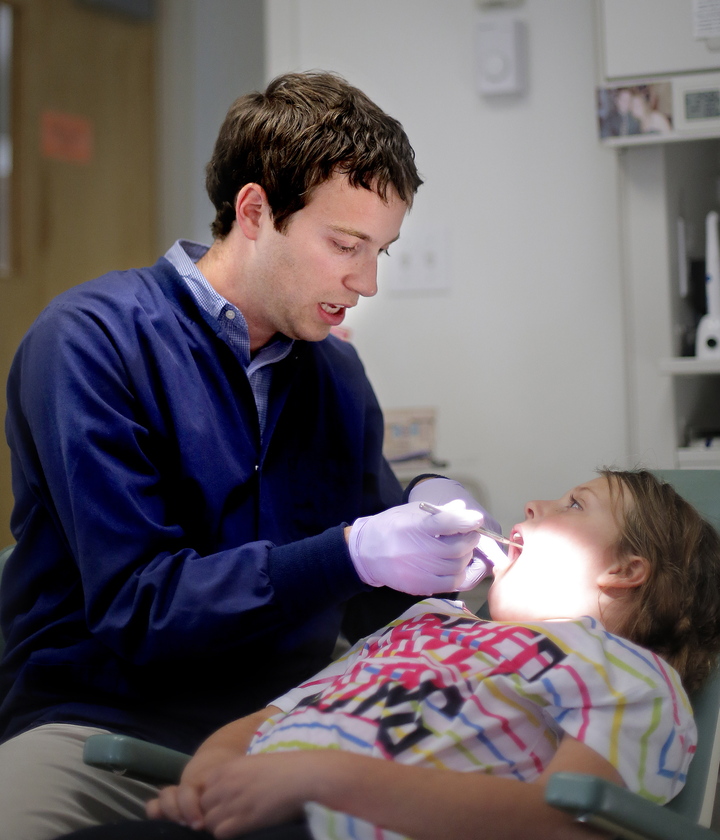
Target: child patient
(445, 725)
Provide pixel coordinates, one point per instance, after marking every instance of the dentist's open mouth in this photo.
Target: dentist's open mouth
(332, 313)
(332, 308)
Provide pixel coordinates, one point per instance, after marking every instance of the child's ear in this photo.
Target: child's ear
(626, 573)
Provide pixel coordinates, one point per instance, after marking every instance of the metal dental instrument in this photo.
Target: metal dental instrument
(429, 508)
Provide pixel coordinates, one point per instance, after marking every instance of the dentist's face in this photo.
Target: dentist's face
(568, 546)
(307, 277)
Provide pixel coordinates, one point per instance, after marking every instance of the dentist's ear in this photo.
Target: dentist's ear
(626, 573)
(250, 202)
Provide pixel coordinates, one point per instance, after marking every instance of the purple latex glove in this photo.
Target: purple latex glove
(486, 555)
(440, 491)
(408, 549)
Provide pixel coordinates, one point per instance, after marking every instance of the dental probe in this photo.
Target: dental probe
(426, 506)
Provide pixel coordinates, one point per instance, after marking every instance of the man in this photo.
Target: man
(190, 448)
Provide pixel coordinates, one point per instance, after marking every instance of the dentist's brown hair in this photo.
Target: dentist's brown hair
(304, 128)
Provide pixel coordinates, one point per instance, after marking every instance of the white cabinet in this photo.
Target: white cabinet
(657, 37)
(658, 81)
(666, 190)
(672, 399)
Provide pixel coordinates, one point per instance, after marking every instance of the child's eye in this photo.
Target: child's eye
(574, 503)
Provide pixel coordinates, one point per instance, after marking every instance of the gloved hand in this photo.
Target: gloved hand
(414, 551)
(486, 555)
(440, 491)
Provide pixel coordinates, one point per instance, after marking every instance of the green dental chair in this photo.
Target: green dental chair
(591, 800)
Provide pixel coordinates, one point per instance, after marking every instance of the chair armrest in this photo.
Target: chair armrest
(602, 804)
(139, 759)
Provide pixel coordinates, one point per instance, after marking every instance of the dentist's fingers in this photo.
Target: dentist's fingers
(412, 551)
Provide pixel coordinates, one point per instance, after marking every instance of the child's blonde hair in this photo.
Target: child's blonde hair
(676, 612)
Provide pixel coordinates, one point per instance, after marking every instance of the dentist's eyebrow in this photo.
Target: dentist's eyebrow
(358, 234)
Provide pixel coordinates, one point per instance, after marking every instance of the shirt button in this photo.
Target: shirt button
(229, 314)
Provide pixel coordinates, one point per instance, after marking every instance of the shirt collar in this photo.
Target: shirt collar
(183, 255)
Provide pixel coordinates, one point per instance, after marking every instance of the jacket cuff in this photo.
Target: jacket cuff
(417, 480)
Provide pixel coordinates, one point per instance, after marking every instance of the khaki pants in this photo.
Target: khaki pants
(46, 790)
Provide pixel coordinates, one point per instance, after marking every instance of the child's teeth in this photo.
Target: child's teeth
(331, 308)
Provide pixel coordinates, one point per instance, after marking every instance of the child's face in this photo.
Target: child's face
(569, 546)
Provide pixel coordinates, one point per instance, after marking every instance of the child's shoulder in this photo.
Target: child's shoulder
(592, 646)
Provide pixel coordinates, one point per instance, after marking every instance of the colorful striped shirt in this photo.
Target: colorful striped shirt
(442, 688)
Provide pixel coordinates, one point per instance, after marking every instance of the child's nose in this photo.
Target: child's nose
(536, 508)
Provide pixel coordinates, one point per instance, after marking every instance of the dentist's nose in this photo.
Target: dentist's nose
(363, 280)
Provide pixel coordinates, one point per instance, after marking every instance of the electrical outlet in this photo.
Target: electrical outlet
(419, 264)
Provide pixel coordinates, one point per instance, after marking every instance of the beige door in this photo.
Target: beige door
(82, 183)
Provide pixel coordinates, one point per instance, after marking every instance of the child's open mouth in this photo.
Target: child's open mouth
(514, 551)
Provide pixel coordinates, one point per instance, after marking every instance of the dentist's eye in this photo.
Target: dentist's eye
(345, 249)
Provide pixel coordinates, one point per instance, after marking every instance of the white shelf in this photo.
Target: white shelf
(698, 458)
(655, 139)
(689, 366)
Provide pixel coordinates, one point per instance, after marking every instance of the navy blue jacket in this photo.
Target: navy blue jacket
(171, 571)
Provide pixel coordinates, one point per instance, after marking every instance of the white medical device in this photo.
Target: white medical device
(707, 342)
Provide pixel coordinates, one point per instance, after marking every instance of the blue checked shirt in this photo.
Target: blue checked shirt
(183, 255)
